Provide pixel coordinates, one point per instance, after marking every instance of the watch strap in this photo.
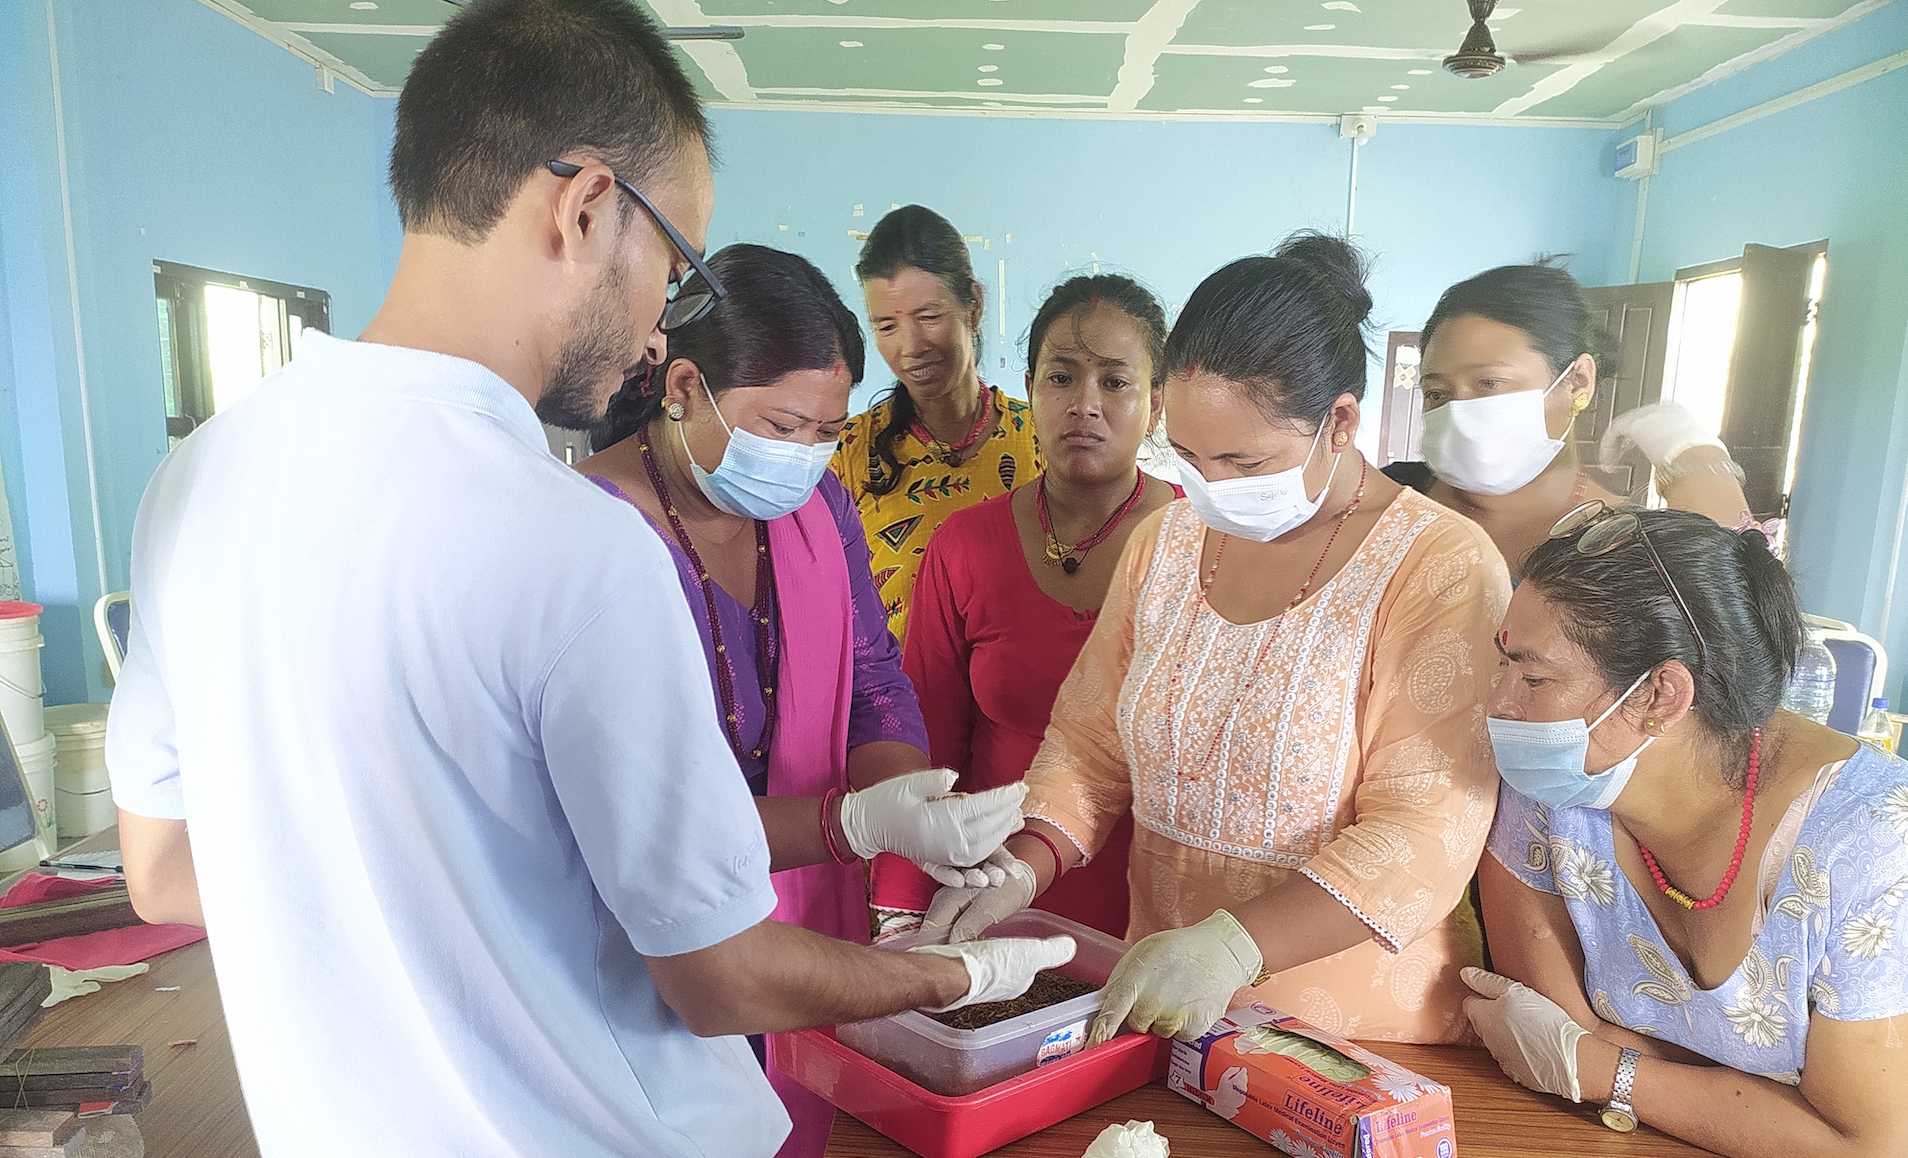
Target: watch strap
(1625, 1081)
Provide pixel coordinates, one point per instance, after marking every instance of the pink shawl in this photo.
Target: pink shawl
(809, 754)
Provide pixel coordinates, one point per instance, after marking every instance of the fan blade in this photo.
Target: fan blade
(707, 32)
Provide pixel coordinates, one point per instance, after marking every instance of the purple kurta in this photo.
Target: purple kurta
(883, 706)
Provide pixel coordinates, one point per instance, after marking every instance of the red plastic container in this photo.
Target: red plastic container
(937, 1127)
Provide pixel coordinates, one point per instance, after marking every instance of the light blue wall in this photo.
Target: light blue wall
(1168, 202)
(1836, 168)
(188, 139)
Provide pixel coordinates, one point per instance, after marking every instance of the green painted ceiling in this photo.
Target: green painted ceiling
(1574, 60)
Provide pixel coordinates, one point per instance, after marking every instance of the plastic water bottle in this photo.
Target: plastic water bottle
(1811, 691)
(1877, 728)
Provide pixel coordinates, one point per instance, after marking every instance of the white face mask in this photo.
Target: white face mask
(1491, 445)
(1257, 507)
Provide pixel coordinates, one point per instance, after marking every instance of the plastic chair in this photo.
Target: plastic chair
(1861, 670)
(112, 618)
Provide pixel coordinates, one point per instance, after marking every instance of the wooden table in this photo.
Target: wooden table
(196, 1109)
(1496, 1118)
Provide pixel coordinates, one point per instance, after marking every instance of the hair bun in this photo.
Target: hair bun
(1339, 261)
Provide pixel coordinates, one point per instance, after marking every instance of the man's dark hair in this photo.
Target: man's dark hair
(510, 84)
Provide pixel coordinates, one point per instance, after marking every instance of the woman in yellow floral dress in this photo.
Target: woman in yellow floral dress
(1285, 688)
(942, 439)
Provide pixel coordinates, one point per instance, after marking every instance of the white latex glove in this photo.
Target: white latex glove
(1002, 969)
(1177, 983)
(1133, 1140)
(972, 911)
(69, 983)
(915, 816)
(1661, 430)
(1529, 1035)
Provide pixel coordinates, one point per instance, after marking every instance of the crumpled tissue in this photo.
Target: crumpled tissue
(68, 983)
(1133, 1140)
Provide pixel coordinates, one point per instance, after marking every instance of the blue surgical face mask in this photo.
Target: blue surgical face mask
(1544, 759)
(758, 478)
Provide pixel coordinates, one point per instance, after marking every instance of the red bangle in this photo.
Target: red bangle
(828, 834)
(1059, 866)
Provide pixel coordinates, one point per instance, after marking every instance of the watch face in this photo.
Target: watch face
(1618, 1120)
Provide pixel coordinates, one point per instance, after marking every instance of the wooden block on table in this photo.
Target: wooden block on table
(23, 986)
(37, 1127)
(49, 1061)
(67, 1149)
(95, 912)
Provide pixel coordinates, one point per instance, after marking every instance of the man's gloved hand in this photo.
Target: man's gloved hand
(1177, 983)
(972, 911)
(915, 816)
(1661, 430)
(1529, 1034)
(1002, 969)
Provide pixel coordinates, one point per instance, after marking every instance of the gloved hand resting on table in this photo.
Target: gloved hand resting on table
(972, 910)
(1529, 1034)
(1178, 982)
(1001, 970)
(1661, 430)
(918, 816)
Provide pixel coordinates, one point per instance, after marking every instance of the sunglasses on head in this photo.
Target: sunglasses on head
(1599, 529)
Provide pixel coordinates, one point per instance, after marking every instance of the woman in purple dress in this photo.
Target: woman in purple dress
(724, 449)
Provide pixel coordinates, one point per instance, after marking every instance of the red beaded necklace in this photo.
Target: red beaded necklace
(950, 454)
(1742, 842)
(1069, 557)
(765, 643)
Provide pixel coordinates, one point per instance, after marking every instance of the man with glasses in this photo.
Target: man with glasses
(471, 888)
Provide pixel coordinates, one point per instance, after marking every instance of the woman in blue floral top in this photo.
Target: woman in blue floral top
(1692, 896)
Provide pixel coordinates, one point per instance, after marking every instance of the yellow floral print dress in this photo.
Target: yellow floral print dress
(1343, 740)
(900, 522)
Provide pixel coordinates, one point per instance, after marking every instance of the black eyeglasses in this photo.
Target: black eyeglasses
(685, 305)
(1600, 530)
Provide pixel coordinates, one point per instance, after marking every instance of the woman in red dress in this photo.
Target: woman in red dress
(1009, 588)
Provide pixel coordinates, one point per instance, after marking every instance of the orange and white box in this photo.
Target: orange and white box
(1310, 1093)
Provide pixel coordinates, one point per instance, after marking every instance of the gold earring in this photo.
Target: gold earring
(674, 411)
(1340, 438)
(1579, 404)
(1649, 725)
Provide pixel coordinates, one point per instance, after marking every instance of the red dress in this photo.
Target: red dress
(987, 650)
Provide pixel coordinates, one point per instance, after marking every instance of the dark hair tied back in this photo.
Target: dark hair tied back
(1614, 606)
(912, 237)
(1123, 294)
(1542, 300)
(1289, 328)
(781, 315)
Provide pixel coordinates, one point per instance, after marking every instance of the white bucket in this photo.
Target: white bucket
(80, 732)
(84, 813)
(36, 765)
(22, 695)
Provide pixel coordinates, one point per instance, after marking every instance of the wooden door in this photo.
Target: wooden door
(1638, 317)
(1764, 372)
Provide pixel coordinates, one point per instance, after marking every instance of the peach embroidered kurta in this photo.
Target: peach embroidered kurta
(1343, 740)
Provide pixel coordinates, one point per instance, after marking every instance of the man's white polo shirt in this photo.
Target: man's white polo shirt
(436, 715)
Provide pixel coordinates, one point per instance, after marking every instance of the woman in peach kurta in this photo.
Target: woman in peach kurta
(1357, 757)
(1284, 689)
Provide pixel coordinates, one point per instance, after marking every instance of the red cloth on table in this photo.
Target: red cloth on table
(987, 650)
(90, 950)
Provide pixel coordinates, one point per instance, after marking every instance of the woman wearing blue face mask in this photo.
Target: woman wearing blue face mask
(1692, 895)
(724, 450)
(1284, 688)
(1513, 359)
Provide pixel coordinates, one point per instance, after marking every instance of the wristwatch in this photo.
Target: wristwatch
(1618, 1115)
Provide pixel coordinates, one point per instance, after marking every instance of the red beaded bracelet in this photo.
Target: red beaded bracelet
(828, 832)
(1059, 866)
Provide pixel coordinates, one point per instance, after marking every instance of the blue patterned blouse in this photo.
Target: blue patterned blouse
(1829, 943)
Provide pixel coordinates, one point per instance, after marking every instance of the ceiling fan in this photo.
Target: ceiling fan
(701, 32)
(1478, 56)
